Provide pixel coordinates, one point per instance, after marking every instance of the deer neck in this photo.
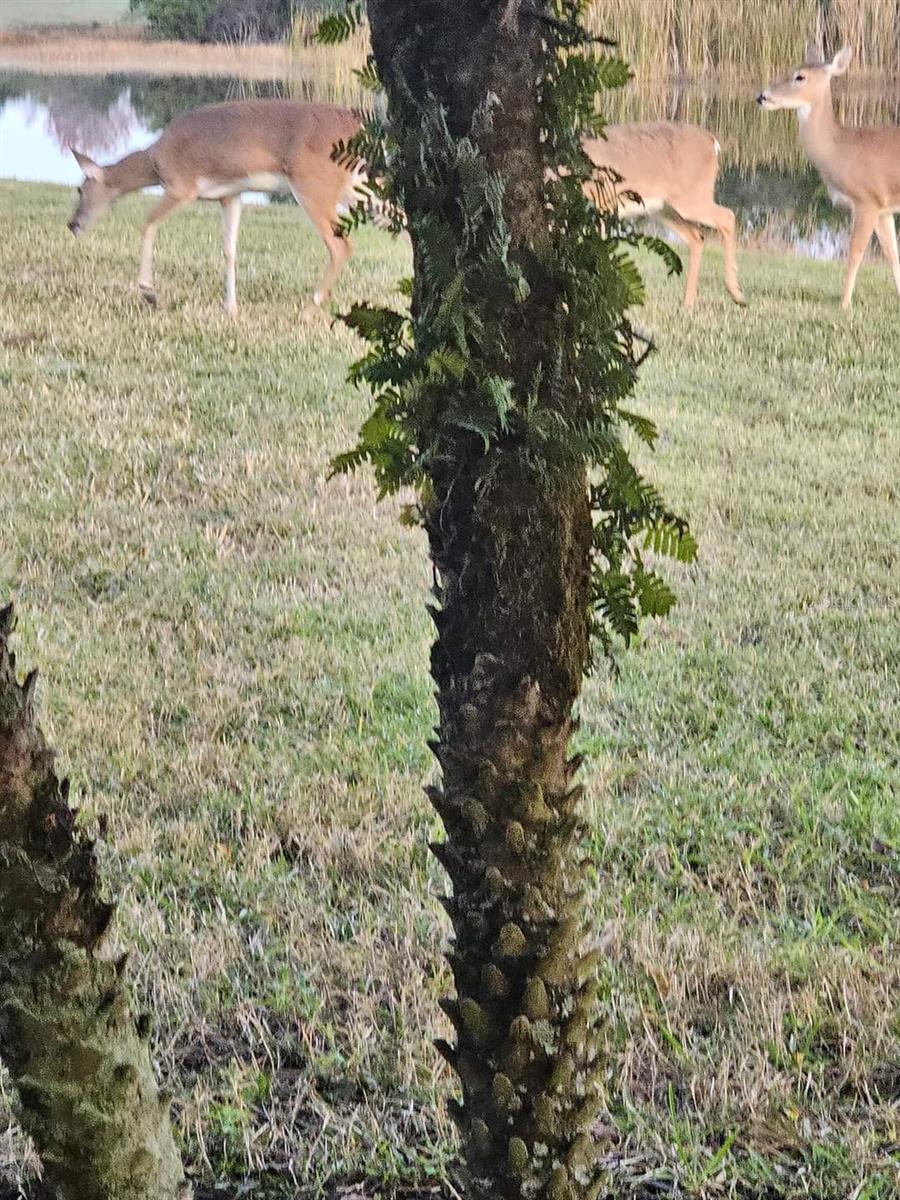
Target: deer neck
(131, 173)
(818, 128)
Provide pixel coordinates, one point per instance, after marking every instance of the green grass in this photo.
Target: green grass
(233, 652)
(60, 12)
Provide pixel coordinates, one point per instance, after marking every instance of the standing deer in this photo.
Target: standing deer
(860, 167)
(669, 170)
(221, 150)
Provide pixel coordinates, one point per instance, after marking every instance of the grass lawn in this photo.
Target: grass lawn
(233, 652)
(60, 12)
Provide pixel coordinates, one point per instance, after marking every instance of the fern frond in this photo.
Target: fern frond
(671, 538)
(654, 596)
(368, 76)
(642, 426)
(338, 27)
(614, 599)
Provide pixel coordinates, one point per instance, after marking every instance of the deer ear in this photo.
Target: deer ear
(840, 62)
(91, 169)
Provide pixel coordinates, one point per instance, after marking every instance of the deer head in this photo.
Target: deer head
(94, 196)
(806, 86)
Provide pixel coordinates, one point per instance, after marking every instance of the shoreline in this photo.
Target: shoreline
(127, 50)
(124, 49)
(100, 53)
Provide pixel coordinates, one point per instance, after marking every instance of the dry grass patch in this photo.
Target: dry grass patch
(743, 37)
(328, 71)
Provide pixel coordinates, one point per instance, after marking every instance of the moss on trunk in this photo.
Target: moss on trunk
(510, 534)
(76, 1050)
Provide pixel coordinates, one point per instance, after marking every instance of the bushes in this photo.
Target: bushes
(250, 20)
(178, 20)
(222, 20)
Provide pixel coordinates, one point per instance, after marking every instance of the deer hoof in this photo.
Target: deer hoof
(148, 295)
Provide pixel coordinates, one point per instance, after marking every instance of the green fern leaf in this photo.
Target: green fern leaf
(338, 27)
(655, 597)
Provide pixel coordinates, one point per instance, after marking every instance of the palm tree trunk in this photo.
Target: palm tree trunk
(77, 1052)
(510, 538)
(508, 664)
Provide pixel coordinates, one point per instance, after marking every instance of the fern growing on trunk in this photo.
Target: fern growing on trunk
(499, 397)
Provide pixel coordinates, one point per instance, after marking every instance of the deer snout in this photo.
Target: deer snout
(763, 99)
(75, 227)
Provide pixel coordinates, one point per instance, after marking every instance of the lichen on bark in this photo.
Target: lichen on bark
(76, 1049)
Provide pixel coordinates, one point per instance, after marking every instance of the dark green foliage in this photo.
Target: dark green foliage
(340, 25)
(218, 20)
(250, 20)
(368, 76)
(177, 20)
(411, 363)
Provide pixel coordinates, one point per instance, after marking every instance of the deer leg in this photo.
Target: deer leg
(720, 218)
(231, 220)
(727, 227)
(694, 238)
(321, 208)
(164, 209)
(887, 236)
(864, 222)
(339, 250)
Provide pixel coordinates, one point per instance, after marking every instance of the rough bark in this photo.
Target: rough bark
(77, 1052)
(510, 540)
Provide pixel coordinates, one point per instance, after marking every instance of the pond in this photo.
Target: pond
(777, 196)
(42, 117)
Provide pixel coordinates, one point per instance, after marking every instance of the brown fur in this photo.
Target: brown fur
(223, 144)
(675, 166)
(859, 166)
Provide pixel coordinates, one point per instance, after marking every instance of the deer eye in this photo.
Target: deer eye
(799, 77)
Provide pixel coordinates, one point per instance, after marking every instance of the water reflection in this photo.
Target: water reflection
(779, 199)
(43, 116)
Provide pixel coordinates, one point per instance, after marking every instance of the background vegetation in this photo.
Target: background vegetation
(177, 20)
(235, 656)
(660, 38)
(60, 12)
(747, 36)
(232, 20)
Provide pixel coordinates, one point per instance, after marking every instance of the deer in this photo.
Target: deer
(219, 151)
(669, 170)
(860, 167)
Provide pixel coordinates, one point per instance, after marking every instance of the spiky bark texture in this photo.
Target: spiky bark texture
(77, 1052)
(510, 537)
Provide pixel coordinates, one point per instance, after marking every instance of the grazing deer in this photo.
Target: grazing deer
(221, 150)
(668, 170)
(859, 167)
